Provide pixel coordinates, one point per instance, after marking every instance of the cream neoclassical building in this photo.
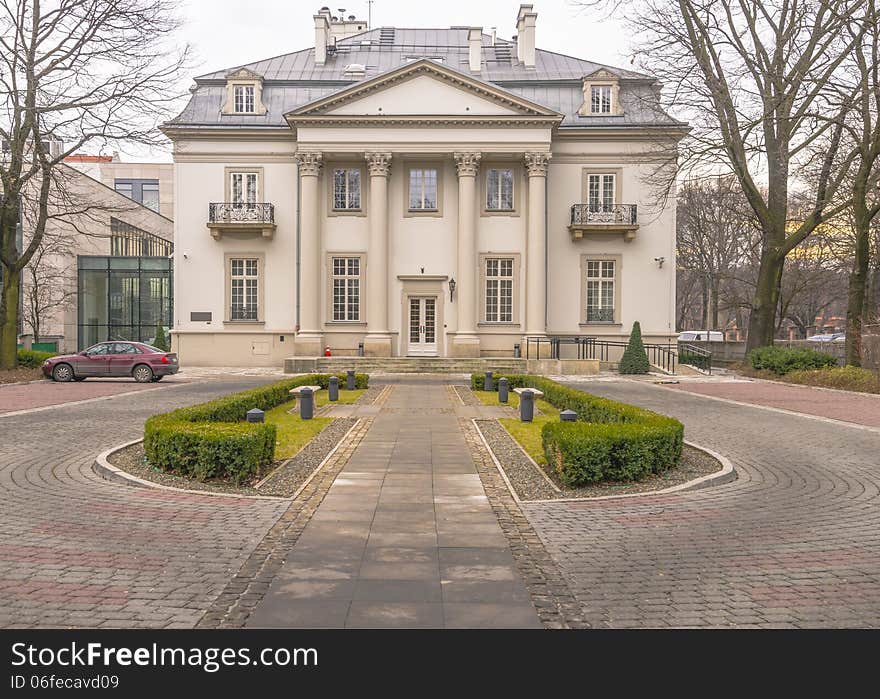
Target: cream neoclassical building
(422, 192)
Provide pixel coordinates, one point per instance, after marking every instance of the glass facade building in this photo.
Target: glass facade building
(123, 298)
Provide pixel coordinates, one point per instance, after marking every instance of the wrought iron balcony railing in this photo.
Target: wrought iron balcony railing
(600, 315)
(235, 212)
(620, 214)
(243, 313)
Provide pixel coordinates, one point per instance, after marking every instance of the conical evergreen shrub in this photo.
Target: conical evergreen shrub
(161, 341)
(635, 359)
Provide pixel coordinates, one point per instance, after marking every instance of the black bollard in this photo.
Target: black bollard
(568, 416)
(527, 405)
(306, 404)
(256, 415)
(333, 388)
(487, 382)
(503, 386)
(349, 380)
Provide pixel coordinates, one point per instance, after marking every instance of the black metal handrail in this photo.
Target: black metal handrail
(238, 212)
(586, 214)
(694, 356)
(243, 313)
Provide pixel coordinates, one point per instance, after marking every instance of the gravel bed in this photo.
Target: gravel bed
(467, 395)
(286, 478)
(529, 484)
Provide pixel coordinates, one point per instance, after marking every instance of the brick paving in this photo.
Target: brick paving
(793, 542)
(862, 409)
(78, 551)
(405, 537)
(46, 393)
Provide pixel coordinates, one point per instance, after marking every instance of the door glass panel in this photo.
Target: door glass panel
(414, 319)
(429, 321)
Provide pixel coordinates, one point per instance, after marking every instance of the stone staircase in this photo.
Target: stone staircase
(403, 365)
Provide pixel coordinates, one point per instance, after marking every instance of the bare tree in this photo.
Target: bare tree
(78, 73)
(754, 78)
(49, 286)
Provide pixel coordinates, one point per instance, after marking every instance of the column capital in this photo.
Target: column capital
(537, 163)
(309, 162)
(467, 163)
(378, 163)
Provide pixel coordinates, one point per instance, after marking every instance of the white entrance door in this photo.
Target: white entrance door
(422, 326)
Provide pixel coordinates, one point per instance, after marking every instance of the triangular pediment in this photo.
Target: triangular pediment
(423, 88)
(602, 74)
(243, 74)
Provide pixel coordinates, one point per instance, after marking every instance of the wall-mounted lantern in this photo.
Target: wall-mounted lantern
(451, 289)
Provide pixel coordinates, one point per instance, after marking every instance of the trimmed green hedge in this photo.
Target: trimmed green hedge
(32, 359)
(610, 440)
(212, 440)
(782, 360)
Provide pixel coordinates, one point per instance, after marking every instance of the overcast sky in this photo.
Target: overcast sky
(227, 33)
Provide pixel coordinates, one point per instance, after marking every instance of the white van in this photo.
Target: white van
(701, 336)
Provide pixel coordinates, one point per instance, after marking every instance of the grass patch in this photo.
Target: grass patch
(293, 433)
(526, 434)
(844, 378)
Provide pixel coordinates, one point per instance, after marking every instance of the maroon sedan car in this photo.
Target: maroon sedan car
(142, 362)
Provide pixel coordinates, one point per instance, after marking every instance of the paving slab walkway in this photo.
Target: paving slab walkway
(405, 537)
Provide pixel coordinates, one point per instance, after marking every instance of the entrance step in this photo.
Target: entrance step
(437, 365)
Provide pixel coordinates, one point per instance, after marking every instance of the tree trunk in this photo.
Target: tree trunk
(704, 308)
(858, 279)
(9, 319)
(762, 319)
(714, 304)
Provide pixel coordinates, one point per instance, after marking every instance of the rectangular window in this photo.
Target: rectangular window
(601, 99)
(346, 276)
(150, 196)
(244, 98)
(243, 188)
(347, 190)
(423, 189)
(499, 190)
(499, 290)
(245, 287)
(125, 189)
(600, 291)
(600, 192)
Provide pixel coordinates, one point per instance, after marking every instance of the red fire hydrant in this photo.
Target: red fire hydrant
(327, 351)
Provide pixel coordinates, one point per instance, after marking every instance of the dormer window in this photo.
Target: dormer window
(243, 98)
(244, 93)
(601, 95)
(600, 99)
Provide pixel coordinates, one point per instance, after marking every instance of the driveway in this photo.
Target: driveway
(794, 542)
(79, 551)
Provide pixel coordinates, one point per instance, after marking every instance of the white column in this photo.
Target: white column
(309, 338)
(536, 250)
(378, 343)
(466, 343)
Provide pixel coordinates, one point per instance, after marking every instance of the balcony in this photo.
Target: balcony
(235, 217)
(619, 218)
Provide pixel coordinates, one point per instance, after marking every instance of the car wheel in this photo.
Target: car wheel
(142, 373)
(62, 372)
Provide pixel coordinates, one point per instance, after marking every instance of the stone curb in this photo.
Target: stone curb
(109, 472)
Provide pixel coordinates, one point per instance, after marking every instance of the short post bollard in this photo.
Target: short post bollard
(526, 406)
(333, 388)
(256, 415)
(568, 416)
(349, 380)
(306, 404)
(487, 382)
(503, 387)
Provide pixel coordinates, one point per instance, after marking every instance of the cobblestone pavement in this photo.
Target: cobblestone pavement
(79, 551)
(27, 396)
(862, 409)
(405, 537)
(793, 542)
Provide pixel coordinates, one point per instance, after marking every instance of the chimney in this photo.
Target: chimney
(322, 35)
(475, 48)
(525, 32)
